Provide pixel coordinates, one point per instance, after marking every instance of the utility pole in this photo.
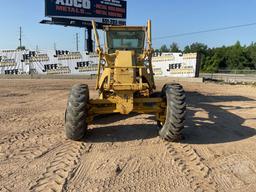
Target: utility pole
(54, 46)
(88, 39)
(94, 43)
(85, 40)
(20, 38)
(77, 42)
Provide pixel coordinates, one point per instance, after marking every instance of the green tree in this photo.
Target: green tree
(251, 54)
(164, 48)
(234, 57)
(22, 48)
(174, 48)
(196, 48)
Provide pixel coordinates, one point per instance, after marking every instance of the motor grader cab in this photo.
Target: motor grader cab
(125, 81)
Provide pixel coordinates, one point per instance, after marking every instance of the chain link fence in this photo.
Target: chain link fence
(232, 76)
(225, 71)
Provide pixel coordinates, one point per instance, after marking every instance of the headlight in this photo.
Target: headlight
(102, 61)
(146, 62)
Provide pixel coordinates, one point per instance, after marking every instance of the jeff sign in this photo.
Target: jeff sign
(176, 65)
(111, 12)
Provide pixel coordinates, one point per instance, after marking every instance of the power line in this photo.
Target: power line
(205, 31)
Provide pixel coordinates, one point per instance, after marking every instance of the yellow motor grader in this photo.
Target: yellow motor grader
(125, 81)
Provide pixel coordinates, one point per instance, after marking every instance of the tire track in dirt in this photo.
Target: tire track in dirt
(17, 114)
(11, 145)
(12, 178)
(21, 137)
(191, 165)
(132, 171)
(31, 149)
(21, 112)
(31, 142)
(26, 152)
(58, 96)
(58, 170)
(238, 170)
(141, 180)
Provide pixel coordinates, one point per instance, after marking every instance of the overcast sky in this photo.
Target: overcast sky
(168, 16)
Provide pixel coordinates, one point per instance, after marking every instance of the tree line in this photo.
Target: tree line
(234, 57)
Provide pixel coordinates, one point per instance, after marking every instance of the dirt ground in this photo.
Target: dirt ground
(124, 153)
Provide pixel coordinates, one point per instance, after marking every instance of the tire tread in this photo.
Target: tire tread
(76, 112)
(175, 112)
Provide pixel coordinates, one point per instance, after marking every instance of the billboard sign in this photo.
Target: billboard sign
(83, 63)
(60, 62)
(176, 65)
(112, 12)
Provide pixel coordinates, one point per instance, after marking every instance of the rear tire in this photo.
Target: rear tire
(175, 112)
(77, 112)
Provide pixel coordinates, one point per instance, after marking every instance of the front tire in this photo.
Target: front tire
(77, 112)
(175, 112)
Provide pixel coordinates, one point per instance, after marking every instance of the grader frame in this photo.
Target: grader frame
(125, 81)
(124, 75)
